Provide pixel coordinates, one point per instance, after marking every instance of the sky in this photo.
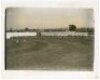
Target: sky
(37, 18)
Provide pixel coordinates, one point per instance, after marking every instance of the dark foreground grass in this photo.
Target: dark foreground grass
(71, 53)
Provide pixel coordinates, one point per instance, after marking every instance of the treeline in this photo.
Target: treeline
(50, 30)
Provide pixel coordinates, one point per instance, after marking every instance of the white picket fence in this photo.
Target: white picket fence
(67, 33)
(19, 34)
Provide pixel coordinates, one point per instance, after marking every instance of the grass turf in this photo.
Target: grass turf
(71, 53)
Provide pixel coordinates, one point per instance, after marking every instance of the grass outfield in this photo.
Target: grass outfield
(70, 53)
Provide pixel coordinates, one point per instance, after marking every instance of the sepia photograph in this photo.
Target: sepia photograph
(60, 39)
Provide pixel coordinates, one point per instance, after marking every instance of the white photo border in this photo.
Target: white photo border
(36, 74)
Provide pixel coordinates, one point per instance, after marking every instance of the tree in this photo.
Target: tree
(72, 27)
(10, 29)
(26, 29)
